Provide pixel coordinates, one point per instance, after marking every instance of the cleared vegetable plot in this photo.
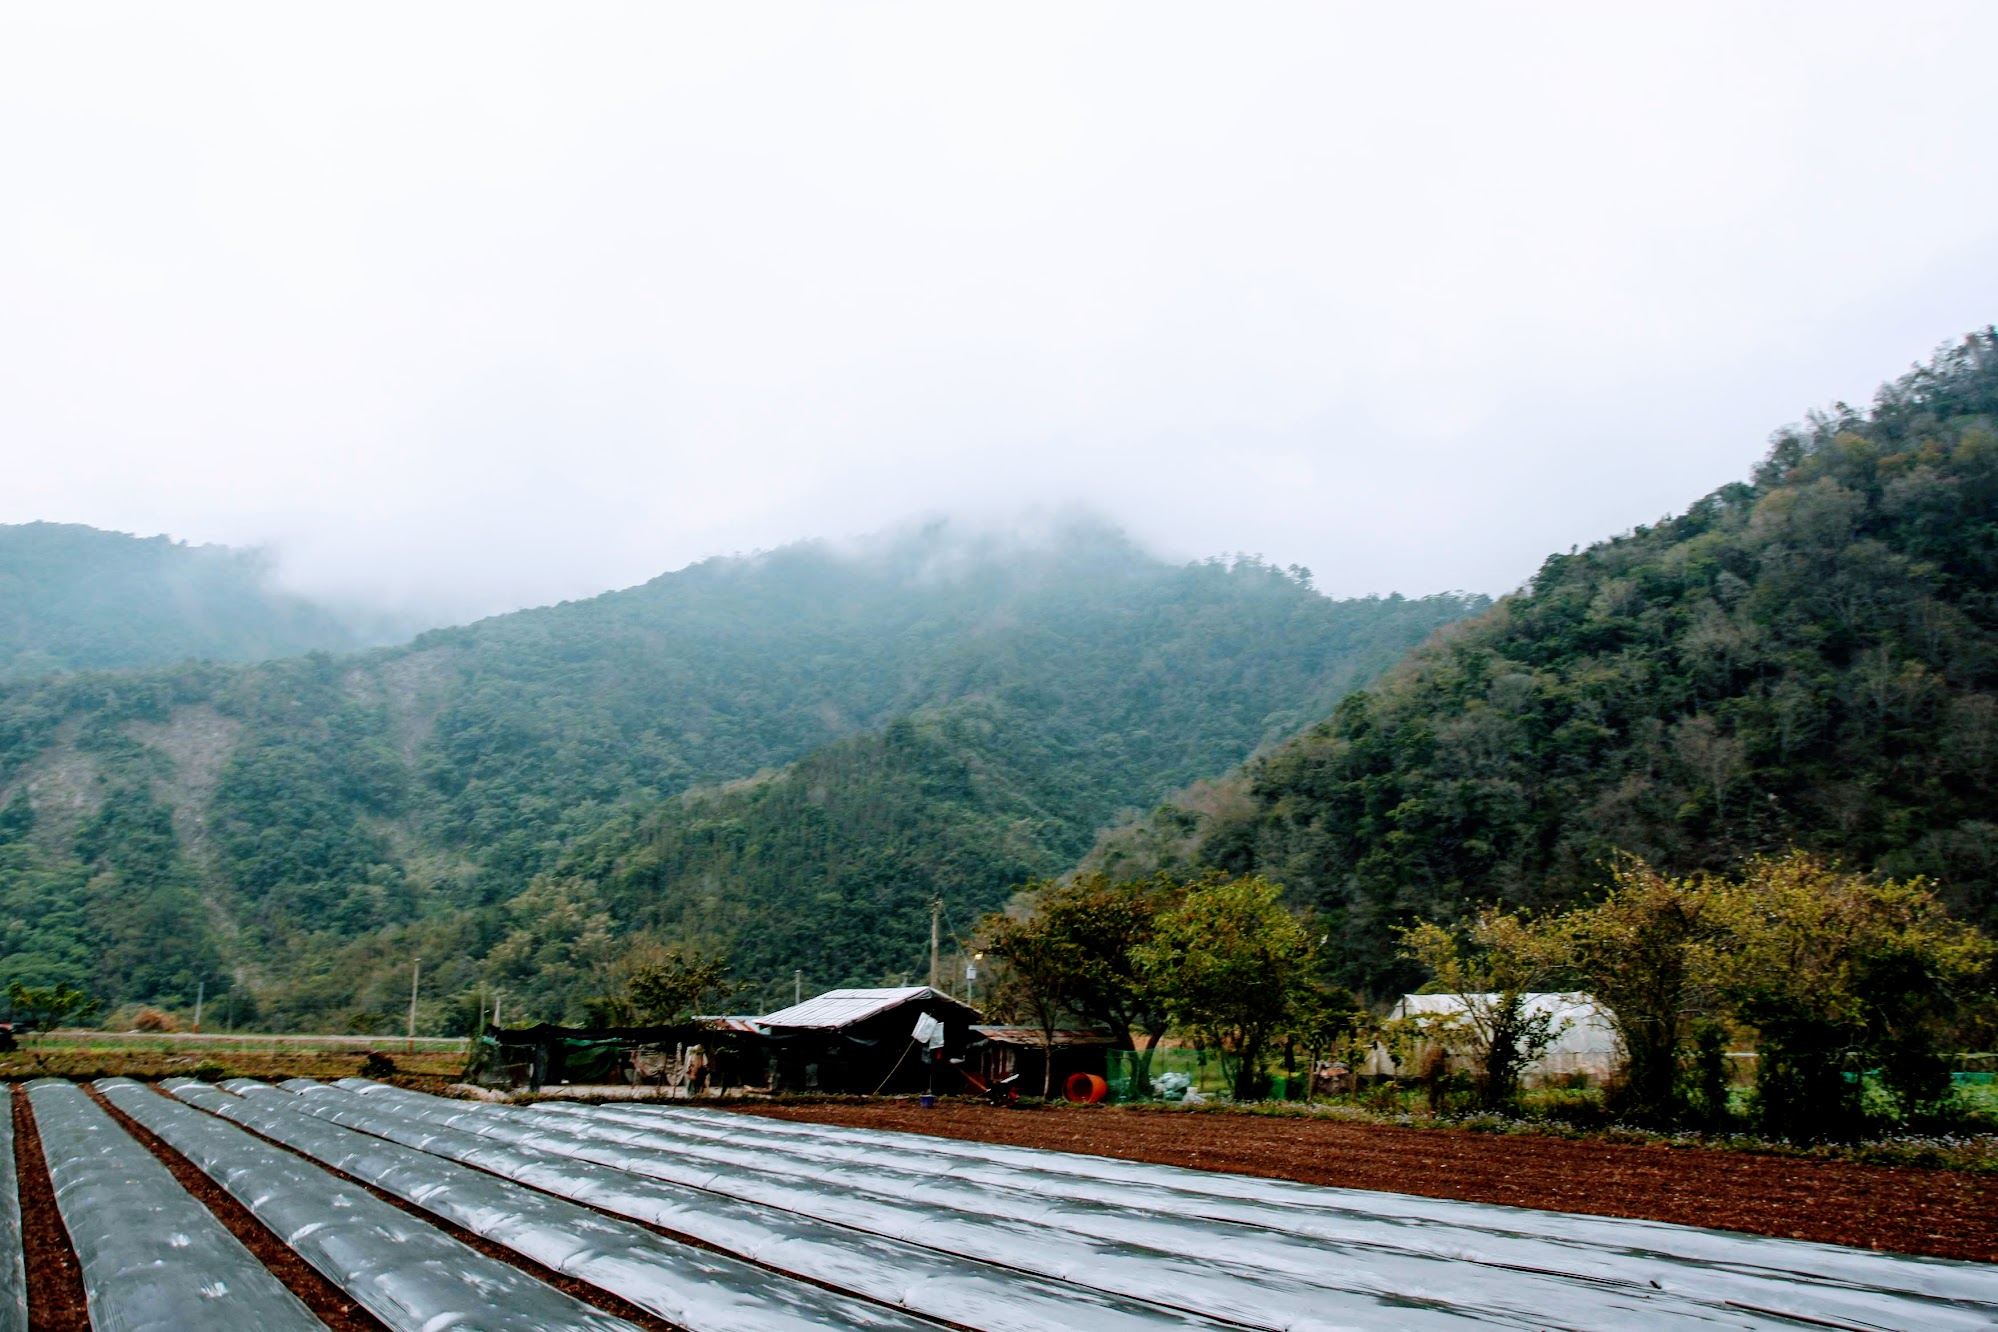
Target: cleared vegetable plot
(922, 1280)
(152, 1256)
(697, 1290)
(408, 1274)
(1490, 1262)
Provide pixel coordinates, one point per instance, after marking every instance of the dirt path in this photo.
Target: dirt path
(1947, 1214)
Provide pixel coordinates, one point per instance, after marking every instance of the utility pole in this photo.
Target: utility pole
(936, 919)
(415, 974)
(798, 987)
(200, 992)
(496, 1002)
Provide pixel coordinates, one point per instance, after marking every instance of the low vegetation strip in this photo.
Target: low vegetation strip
(1899, 1209)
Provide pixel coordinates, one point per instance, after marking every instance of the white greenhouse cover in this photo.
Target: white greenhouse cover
(1585, 1041)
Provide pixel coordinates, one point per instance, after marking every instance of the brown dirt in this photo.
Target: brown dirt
(1943, 1213)
(327, 1301)
(55, 1280)
(582, 1290)
(424, 1069)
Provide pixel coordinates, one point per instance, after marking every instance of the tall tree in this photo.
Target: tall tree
(1490, 963)
(1232, 963)
(1041, 977)
(1840, 972)
(1646, 951)
(1107, 923)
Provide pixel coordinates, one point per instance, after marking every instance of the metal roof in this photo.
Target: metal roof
(842, 1008)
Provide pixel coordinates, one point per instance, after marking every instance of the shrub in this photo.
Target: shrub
(152, 1019)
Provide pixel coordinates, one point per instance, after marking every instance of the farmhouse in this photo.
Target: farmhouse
(866, 1041)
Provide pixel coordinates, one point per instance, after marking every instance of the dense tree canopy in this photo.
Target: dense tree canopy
(786, 755)
(76, 598)
(1806, 659)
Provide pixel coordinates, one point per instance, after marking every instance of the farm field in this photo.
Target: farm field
(1941, 1213)
(99, 1054)
(358, 1204)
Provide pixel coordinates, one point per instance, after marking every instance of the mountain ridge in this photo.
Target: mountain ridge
(332, 814)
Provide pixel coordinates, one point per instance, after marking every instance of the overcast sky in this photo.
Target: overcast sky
(479, 307)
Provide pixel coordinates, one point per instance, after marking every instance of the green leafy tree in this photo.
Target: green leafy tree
(44, 1008)
(1490, 963)
(1108, 923)
(1840, 972)
(1041, 977)
(656, 985)
(1647, 952)
(1232, 963)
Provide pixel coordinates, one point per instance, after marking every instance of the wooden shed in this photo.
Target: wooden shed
(863, 1042)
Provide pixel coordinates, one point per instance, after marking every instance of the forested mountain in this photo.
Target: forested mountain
(1808, 659)
(76, 598)
(513, 798)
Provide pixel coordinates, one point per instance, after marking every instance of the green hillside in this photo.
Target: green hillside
(75, 598)
(1808, 659)
(505, 798)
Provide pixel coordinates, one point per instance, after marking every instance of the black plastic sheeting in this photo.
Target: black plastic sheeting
(410, 1275)
(1209, 1214)
(13, 1267)
(699, 1291)
(152, 1257)
(1334, 1296)
(945, 1286)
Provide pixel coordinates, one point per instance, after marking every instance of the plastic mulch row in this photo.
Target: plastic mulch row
(408, 1274)
(948, 1286)
(152, 1256)
(687, 1286)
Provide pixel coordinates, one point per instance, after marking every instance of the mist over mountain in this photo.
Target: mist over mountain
(505, 797)
(75, 598)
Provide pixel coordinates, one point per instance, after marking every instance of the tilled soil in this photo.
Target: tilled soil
(55, 1281)
(1942, 1213)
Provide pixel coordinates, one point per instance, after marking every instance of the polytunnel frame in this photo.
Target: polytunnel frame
(812, 1247)
(1149, 1214)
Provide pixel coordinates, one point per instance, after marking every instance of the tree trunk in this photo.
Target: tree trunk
(1141, 1073)
(1245, 1072)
